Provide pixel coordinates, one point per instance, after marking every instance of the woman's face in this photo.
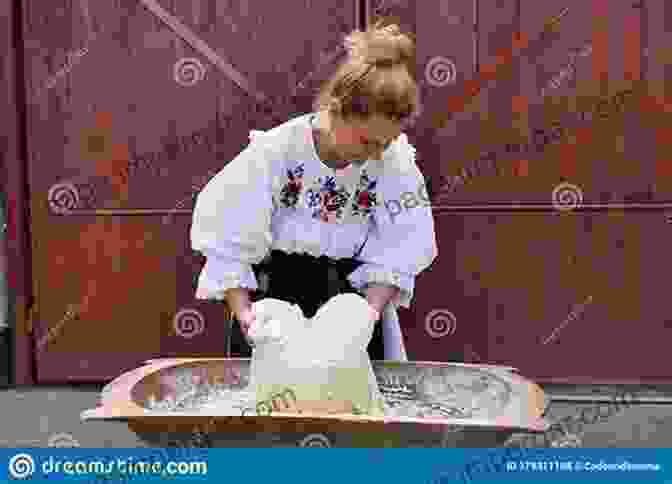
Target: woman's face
(362, 139)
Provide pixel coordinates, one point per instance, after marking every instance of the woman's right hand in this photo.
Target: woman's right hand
(247, 319)
(238, 300)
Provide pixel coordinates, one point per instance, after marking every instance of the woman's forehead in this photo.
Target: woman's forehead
(378, 129)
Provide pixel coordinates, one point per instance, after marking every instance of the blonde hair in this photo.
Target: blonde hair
(375, 79)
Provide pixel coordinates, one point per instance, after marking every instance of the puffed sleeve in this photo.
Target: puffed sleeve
(401, 242)
(231, 223)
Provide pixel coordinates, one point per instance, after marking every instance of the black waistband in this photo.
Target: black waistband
(278, 255)
(343, 266)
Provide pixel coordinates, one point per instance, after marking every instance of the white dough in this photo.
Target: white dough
(319, 359)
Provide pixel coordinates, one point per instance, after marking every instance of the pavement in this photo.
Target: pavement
(43, 416)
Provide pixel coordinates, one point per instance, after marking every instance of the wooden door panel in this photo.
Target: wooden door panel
(445, 40)
(127, 122)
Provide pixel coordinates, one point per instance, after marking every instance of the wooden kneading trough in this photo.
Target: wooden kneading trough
(482, 405)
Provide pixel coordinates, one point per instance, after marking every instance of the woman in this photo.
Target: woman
(304, 202)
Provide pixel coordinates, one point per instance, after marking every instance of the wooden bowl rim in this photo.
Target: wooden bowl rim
(116, 402)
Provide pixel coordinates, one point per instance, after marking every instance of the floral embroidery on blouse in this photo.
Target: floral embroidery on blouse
(289, 196)
(365, 196)
(328, 203)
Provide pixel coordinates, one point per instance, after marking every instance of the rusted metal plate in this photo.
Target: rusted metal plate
(563, 297)
(543, 127)
(130, 114)
(500, 402)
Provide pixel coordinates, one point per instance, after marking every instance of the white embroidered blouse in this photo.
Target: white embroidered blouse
(278, 194)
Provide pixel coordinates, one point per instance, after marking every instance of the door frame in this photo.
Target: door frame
(17, 238)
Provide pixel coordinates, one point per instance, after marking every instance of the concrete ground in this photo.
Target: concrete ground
(42, 416)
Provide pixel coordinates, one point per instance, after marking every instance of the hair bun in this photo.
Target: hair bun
(380, 46)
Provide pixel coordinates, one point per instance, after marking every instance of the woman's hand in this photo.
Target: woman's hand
(248, 322)
(379, 295)
(375, 314)
(238, 300)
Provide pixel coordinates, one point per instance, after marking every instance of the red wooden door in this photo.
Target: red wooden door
(446, 57)
(575, 121)
(132, 109)
(589, 280)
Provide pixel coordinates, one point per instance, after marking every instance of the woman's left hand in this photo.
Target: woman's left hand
(375, 314)
(379, 295)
